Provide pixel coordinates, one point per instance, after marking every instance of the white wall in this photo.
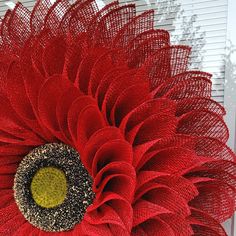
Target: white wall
(230, 88)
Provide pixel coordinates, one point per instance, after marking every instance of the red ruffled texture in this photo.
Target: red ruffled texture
(109, 84)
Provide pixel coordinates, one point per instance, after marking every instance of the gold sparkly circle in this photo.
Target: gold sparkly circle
(49, 187)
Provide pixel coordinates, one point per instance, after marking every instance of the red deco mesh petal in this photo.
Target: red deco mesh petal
(113, 87)
(38, 15)
(136, 26)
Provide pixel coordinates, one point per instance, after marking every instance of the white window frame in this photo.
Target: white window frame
(230, 87)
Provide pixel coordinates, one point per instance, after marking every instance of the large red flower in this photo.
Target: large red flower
(110, 86)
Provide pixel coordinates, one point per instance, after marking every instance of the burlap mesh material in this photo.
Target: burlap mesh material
(109, 84)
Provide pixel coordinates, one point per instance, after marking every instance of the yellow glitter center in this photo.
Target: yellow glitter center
(49, 187)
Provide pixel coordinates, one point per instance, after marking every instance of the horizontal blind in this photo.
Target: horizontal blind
(208, 32)
(207, 28)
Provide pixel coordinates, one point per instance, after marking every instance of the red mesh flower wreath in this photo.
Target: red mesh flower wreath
(104, 131)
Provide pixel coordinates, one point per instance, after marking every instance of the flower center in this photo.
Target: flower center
(49, 187)
(52, 188)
